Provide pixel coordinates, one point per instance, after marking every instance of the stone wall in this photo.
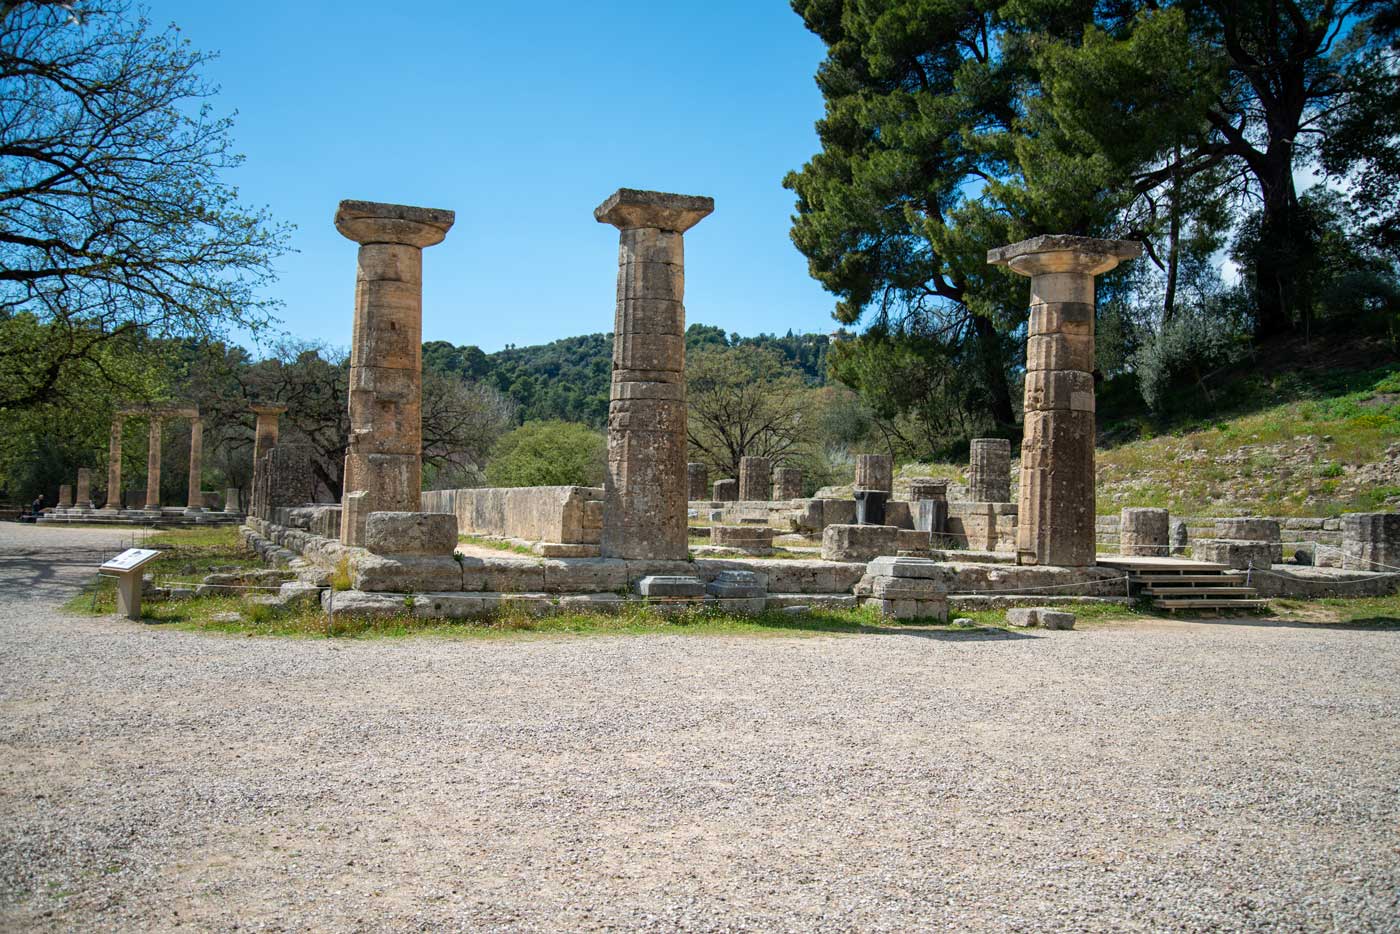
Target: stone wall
(570, 515)
(1324, 531)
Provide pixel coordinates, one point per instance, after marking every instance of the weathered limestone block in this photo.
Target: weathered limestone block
(983, 526)
(1371, 541)
(405, 573)
(980, 578)
(989, 471)
(913, 540)
(858, 542)
(354, 512)
(726, 491)
(927, 488)
(697, 481)
(934, 608)
(1144, 532)
(450, 605)
(755, 478)
(787, 483)
(566, 515)
(574, 575)
(1180, 538)
(742, 537)
(874, 472)
(288, 479)
(83, 497)
(503, 574)
(1057, 452)
(359, 604)
(65, 496)
(736, 585)
(670, 585)
(898, 513)
(1043, 617)
(410, 533)
(384, 458)
(1237, 554)
(326, 522)
(1248, 529)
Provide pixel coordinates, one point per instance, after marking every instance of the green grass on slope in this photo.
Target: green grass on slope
(1297, 458)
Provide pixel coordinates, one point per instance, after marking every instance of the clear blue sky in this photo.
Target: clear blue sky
(522, 117)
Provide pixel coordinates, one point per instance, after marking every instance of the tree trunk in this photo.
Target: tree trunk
(1284, 247)
(1173, 246)
(994, 371)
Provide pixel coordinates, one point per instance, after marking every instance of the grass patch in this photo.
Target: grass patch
(1380, 612)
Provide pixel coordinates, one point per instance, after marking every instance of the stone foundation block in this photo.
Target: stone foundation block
(1235, 554)
(742, 537)
(913, 540)
(736, 585)
(448, 605)
(584, 575)
(361, 604)
(739, 606)
(503, 575)
(1145, 532)
(936, 610)
(670, 585)
(916, 568)
(858, 542)
(405, 573)
(1248, 529)
(410, 533)
(593, 602)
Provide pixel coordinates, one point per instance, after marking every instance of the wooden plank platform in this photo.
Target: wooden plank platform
(1242, 604)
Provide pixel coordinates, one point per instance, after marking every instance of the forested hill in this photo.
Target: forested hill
(568, 379)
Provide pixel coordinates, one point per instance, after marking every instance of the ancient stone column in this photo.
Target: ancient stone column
(83, 498)
(231, 499)
(875, 472)
(1144, 532)
(989, 471)
(1371, 541)
(755, 479)
(195, 501)
(153, 465)
(65, 496)
(385, 455)
(787, 483)
(266, 428)
(726, 491)
(697, 481)
(114, 465)
(644, 514)
(1056, 514)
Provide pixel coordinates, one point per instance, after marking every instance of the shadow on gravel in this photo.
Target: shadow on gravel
(1372, 624)
(48, 575)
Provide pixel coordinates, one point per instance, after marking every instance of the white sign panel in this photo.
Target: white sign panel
(129, 560)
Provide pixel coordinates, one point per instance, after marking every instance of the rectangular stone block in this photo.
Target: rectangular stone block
(670, 586)
(858, 542)
(573, 575)
(649, 351)
(405, 573)
(410, 533)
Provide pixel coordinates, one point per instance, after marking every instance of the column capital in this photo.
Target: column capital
(628, 209)
(268, 409)
(1064, 253)
(374, 222)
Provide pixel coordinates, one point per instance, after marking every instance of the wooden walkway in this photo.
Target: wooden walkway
(1181, 584)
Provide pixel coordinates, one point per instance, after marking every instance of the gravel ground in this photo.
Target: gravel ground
(1126, 777)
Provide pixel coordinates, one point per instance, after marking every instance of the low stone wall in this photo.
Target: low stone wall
(980, 526)
(1285, 581)
(1323, 531)
(568, 515)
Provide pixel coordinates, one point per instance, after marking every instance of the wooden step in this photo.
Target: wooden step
(1238, 604)
(1188, 578)
(1199, 590)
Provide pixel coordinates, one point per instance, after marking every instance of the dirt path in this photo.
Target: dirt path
(1164, 775)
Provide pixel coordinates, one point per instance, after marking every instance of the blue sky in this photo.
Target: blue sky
(522, 117)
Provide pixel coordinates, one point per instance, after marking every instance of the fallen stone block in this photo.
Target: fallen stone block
(911, 609)
(1032, 616)
(858, 542)
(1238, 554)
(736, 585)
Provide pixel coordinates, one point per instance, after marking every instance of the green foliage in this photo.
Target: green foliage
(1187, 350)
(118, 223)
(548, 453)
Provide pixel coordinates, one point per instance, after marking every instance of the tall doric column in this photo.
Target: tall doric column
(195, 500)
(385, 456)
(114, 464)
(644, 513)
(1056, 512)
(153, 464)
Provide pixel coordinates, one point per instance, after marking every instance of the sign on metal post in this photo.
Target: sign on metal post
(126, 568)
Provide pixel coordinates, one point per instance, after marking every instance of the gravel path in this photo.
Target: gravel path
(1141, 777)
